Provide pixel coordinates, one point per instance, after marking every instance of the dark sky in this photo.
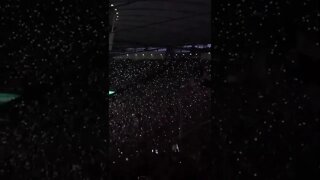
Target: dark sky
(161, 23)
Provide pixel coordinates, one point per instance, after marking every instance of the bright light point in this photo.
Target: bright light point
(111, 92)
(112, 5)
(6, 97)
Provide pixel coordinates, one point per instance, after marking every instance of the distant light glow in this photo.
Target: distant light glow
(6, 97)
(162, 50)
(111, 92)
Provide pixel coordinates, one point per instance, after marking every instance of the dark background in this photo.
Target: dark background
(266, 89)
(53, 54)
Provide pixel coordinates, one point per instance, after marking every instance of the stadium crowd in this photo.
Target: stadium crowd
(164, 104)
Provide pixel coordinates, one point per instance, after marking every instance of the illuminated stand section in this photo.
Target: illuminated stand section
(7, 97)
(197, 51)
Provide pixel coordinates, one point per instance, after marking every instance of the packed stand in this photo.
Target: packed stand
(162, 111)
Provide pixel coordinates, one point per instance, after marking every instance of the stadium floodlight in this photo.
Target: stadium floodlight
(7, 97)
(111, 92)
